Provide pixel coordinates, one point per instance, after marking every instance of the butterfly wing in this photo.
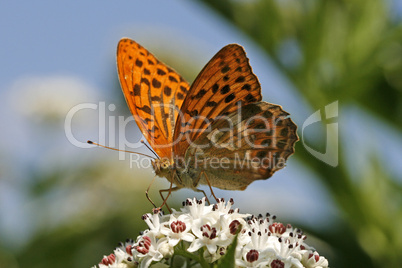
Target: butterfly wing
(154, 93)
(225, 81)
(249, 144)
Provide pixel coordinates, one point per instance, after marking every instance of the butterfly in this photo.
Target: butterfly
(216, 132)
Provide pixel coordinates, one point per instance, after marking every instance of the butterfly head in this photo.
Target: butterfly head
(162, 166)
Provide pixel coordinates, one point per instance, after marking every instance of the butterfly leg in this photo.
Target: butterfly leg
(165, 190)
(172, 189)
(146, 192)
(209, 185)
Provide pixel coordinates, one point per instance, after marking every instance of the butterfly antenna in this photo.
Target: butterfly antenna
(143, 142)
(107, 147)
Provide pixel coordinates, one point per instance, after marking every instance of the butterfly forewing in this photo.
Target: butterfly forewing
(226, 80)
(154, 93)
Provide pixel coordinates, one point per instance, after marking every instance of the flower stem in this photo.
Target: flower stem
(180, 250)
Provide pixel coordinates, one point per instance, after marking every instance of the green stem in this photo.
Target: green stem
(202, 260)
(182, 252)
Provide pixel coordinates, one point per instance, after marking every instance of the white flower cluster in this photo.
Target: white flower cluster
(202, 233)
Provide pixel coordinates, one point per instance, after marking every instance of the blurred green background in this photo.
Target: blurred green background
(66, 206)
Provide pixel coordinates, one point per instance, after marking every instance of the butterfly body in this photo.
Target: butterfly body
(181, 177)
(216, 132)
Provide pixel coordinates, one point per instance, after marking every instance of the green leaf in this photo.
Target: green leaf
(228, 260)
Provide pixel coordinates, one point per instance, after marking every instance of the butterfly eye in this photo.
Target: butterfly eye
(165, 165)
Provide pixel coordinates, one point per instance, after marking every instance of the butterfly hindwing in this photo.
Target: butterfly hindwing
(249, 144)
(226, 80)
(154, 93)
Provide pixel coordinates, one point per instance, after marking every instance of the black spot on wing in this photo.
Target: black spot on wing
(225, 69)
(215, 88)
(146, 120)
(267, 114)
(180, 96)
(145, 109)
(225, 89)
(156, 83)
(251, 109)
(230, 97)
(200, 94)
(240, 79)
(246, 87)
(146, 71)
(160, 72)
(167, 91)
(193, 113)
(261, 154)
(250, 98)
(156, 98)
(211, 104)
(137, 90)
(145, 81)
(172, 79)
(153, 129)
(138, 63)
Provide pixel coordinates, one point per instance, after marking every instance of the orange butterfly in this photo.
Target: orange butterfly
(216, 132)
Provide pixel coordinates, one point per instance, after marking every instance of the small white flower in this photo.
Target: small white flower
(112, 261)
(207, 235)
(165, 248)
(230, 221)
(261, 242)
(153, 221)
(146, 249)
(224, 208)
(252, 258)
(217, 227)
(121, 255)
(271, 242)
(177, 229)
(229, 228)
(313, 259)
(196, 208)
